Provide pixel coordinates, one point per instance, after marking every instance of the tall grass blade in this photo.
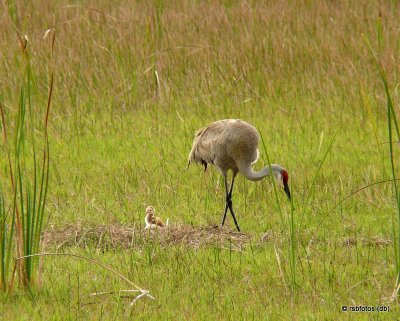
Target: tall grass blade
(310, 189)
(3, 238)
(393, 129)
(20, 232)
(292, 239)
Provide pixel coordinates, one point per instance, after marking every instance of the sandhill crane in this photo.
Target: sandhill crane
(231, 144)
(151, 220)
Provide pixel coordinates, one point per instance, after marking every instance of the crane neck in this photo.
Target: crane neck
(248, 172)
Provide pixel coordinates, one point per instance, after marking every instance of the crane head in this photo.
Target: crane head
(281, 177)
(150, 210)
(285, 179)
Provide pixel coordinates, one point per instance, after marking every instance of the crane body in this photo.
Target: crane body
(232, 144)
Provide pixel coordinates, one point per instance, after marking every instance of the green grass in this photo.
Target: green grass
(120, 134)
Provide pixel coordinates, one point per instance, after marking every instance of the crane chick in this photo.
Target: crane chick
(151, 220)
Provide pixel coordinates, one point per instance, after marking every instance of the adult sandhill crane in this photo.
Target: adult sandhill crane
(231, 144)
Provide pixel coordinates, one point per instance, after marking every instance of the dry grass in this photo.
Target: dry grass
(110, 237)
(117, 236)
(267, 49)
(134, 80)
(366, 241)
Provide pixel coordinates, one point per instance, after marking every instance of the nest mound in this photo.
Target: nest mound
(202, 235)
(116, 236)
(110, 237)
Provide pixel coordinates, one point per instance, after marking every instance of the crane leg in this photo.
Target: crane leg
(228, 199)
(226, 210)
(229, 203)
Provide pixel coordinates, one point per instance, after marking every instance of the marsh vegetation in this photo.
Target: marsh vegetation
(133, 80)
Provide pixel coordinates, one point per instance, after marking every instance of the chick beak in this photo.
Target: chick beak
(286, 188)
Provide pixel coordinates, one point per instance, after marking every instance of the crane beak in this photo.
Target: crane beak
(286, 188)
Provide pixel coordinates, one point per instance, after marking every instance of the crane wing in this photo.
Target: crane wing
(206, 142)
(225, 143)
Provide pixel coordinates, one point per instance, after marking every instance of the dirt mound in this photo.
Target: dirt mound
(116, 236)
(109, 237)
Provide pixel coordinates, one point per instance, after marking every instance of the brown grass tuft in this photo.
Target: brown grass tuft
(110, 237)
(115, 236)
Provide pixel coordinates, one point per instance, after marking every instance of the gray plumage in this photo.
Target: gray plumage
(232, 144)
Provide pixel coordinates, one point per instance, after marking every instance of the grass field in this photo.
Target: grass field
(133, 80)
